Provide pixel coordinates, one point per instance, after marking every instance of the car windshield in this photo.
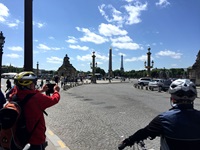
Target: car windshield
(167, 82)
(156, 80)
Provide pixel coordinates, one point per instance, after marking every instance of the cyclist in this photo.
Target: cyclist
(25, 84)
(179, 128)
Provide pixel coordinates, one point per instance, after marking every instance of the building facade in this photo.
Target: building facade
(194, 71)
(67, 70)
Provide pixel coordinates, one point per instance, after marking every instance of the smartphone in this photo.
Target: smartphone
(50, 87)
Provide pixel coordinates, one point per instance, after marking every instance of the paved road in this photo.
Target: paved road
(99, 116)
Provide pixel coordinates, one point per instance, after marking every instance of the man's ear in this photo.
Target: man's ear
(172, 99)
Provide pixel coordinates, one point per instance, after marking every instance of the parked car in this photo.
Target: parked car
(144, 81)
(155, 83)
(166, 84)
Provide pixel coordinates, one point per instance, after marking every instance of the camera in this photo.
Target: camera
(50, 88)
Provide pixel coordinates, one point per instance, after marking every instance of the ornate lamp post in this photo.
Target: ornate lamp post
(2, 41)
(93, 66)
(147, 64)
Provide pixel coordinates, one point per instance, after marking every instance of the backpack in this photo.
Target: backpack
(13, 131)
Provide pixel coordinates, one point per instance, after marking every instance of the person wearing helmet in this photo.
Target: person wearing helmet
(25, 83)
(178, 128)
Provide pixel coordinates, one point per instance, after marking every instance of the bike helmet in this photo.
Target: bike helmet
(25, 78)
(183, 90)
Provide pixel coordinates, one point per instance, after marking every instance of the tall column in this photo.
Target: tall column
(37, 69)
(122, 66)
(28, 36)
(110, 64)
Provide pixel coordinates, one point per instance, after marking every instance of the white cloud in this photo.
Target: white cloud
(111, 14)
(131, 16)
(169, 54)
(16, 48)
(13, 55)
(109, 30)
(129, 1)
(88, 57)
(84, 48)
(124, 42)
(56, 48)
(91, 37)
(51, 38)
(54, 60)
(45, 47)
(122, 39)
(101, 57)
(141, 58)
(134, 12)
(71, 39)
(84, 58)
(39, 24)
(162, 3)
(3, 13)
(128, 45)
(13, 24)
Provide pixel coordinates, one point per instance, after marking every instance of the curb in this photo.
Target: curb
(57, 143)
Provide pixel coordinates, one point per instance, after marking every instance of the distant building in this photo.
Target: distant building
(194, 71)
(66, 70)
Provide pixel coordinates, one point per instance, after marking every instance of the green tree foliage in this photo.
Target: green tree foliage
(101, 71)
(155, 72)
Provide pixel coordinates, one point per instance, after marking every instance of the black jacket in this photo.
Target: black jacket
(179, 129)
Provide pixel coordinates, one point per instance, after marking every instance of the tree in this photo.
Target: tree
(101, 71)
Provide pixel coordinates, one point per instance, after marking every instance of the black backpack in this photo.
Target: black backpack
(13, 131)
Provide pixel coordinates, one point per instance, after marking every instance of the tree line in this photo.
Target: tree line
(155, 72)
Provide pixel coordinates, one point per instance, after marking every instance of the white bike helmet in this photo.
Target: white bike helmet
(183, 90)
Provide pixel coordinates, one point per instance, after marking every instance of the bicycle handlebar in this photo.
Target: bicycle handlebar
(141, 144)
(122, 146)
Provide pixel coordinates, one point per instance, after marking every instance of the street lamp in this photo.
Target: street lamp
(2, 41)
(147, 64)
(93, 66)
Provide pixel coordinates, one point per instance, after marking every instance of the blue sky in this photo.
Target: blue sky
(171, 28)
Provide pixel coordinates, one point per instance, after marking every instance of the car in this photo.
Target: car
(166, 84)
(155, 83)
(144, 81)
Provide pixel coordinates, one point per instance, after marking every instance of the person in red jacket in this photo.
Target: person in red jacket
(25, 84)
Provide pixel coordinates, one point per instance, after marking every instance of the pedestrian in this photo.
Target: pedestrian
(2, 99)
(42, 83)
(178, 128)
(62, 79)
(56, 79)
(8, 85)
(25, 84)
